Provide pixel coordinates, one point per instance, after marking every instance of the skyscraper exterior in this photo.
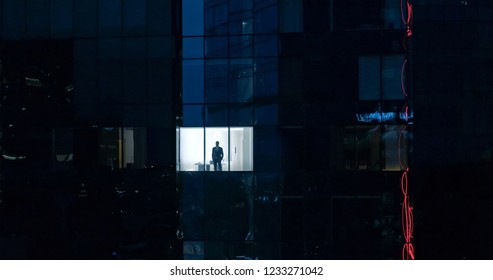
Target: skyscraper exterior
(342, 124)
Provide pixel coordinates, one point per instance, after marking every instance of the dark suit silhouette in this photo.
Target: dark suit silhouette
(217, 157)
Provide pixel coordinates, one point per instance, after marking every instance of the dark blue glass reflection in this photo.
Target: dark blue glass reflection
(240, 46)
(266, 155)
(240, 16)
(266, 114)
(134, 48)
(193, 115)
(110, 48)
(110, 17)
(266, 45)
(241, 114)
(193, 18)
(193, 47)
(241, 80)
(266, 76)
(61, 17)
(391, 77)
(291, 16)
(265, 16)
(134, 13)
(193, 81)
(216, 17)
(216, 80)
(216, 115)
(216, 47)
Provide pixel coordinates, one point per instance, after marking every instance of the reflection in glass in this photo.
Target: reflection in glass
(266, 114)
(291, 15)
(216, 115)
(216, 17)
(265, 45)
(193, 115)
(193, 81)
(369, 77)
(266, 74)
(395, 143)
(216, 80)
(241, 80)
(391, 77)
(265, 16)
(193, 17)
(216, 47)
(240, 114)
(241, 46)
(193, 47)
(362, 147)
(240, 16)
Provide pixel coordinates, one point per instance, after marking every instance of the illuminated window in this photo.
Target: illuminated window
(196, 147)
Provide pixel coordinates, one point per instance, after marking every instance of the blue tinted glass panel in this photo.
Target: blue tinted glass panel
(110, 79)
(193, 115)
(266, 114)
(193, 81)
(134, 16)
(266, 77)
(134, 48)
(61, 18)
(85, 49)
(240, 46)
(193, 47)
(86, 18)
(110, 48)
(110, 20)
(265, 16)
(266, 45)
(240, 16)
(241, 80)
(267, 154)
(14, 19)
(160, 77)
(216, 17)
(291, 16)
(86, 81)
(241, 114)
(391, 77)
(216, 81)
(38, 18)
(216, 47)
(193, 17)
(160, 47)
(134, 81)
(216, 115)
(159, 17)
(369, 78)
(134, 12)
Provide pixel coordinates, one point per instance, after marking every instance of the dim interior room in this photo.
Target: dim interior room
(194, 151)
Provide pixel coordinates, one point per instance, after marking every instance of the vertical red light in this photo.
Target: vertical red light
(407, 208)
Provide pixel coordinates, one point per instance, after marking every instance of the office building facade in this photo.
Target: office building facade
(110, 111)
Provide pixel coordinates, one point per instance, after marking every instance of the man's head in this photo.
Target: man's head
(217, 143)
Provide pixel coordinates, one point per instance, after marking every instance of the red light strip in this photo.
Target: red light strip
(403, 78)
(407, 208)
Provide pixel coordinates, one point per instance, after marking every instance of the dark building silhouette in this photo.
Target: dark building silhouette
(109, 111)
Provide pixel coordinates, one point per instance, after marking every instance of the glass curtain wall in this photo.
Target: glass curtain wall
(229, 80)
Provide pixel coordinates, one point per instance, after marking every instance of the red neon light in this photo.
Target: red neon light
(403, 70)
(407, 219)
(408, 250)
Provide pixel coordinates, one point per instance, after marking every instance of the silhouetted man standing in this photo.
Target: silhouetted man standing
(217, 157)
